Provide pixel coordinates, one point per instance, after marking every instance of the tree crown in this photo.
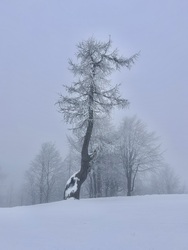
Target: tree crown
(91, 96)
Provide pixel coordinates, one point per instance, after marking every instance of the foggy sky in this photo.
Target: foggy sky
(38, 36)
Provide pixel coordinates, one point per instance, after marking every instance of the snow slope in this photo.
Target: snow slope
(121, 223)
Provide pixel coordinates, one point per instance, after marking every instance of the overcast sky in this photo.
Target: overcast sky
(38, 36)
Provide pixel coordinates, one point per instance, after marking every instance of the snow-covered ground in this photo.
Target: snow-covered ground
(121, 223)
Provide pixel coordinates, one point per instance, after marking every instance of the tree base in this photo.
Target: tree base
(72, 188)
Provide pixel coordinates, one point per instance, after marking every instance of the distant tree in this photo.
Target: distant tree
(139, 150)
(43, 174)
(31, 188)
(3, 177)
(90, 97)
(165, 181)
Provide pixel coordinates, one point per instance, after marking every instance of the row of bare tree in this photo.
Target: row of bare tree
(129, 161)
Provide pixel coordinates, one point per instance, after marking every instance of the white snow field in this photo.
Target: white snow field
(153, 222)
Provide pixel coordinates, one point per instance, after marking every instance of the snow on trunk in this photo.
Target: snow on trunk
(71, 186)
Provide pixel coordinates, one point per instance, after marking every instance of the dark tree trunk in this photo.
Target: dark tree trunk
(79, 178)
(99, 183)
(94, 185)
(129, 184)
(91, 186)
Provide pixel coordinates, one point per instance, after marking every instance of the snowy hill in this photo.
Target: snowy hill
(121, 223)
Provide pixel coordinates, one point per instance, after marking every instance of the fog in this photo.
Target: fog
(38, 37)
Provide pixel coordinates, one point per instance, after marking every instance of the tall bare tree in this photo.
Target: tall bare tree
(139, 150)
(44, 173)
(91, 97)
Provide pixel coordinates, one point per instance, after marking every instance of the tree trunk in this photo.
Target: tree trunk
(74, 184)
(129, 185)
(94, 185)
